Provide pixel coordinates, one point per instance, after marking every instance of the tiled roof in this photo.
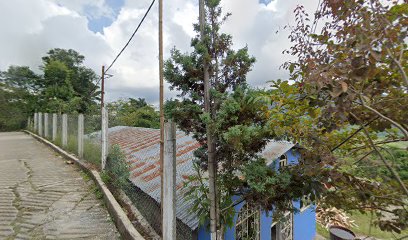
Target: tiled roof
(142, 149)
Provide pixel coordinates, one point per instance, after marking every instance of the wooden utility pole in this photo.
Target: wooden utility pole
(210, 140)
(161, 65)
(103, 87)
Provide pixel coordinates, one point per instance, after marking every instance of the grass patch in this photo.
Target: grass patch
(322, 231)
(72, 144)
(92, 152)
(117, 168)
(98, 193)
(58, 140)
(363, 222)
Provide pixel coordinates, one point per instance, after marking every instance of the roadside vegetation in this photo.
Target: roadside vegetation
(344, 102)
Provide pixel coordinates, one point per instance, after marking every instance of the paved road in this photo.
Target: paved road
(41, 197)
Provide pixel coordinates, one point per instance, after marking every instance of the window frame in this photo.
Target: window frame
(245, 215)
(279, 228)
(283, 162)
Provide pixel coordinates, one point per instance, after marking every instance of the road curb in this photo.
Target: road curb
(122, 222)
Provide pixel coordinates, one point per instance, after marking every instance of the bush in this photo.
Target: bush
(117, 167)
(92, 152)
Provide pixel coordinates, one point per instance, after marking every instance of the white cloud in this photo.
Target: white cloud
(30, 28)
(91, 8)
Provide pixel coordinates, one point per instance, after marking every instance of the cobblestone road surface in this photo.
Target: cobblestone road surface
(41, 197)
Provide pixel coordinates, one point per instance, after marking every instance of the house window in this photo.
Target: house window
(283, 161)
(248, 223)
(283, 230)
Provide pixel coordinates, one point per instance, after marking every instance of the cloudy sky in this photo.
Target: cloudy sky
(98, 29)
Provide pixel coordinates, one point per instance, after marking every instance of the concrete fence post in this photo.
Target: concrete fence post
(80, 135)
(104, 137)
(46, 125)
(64, 139)
(29, 123)
(40, 124)
(35, 122)
(54, 126)
(169, 182)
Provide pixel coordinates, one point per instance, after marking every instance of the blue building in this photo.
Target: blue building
(252, 223)
(141, 147)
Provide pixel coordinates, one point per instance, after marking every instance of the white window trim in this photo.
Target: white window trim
(285, 161)
(292, 223)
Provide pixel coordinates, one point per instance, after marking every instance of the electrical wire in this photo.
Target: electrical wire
(130, 39)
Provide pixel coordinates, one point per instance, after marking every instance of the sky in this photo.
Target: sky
(98, 29)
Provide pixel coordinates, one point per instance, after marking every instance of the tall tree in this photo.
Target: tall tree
(204, 78)
(316, 112)
(368, 81)
(67, 85)
(17, 97)
(349, 101)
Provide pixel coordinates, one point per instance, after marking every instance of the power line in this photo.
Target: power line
(130, 39)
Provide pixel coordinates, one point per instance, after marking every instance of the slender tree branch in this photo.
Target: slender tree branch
(390, 168)
(403, 130)
(398, 63)
(352, 135)
(381, 142)
(232, 205)
(362, 158)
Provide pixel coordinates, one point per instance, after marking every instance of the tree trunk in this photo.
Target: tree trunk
(210, 139)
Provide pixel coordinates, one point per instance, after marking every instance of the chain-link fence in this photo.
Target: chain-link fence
(75, 133)
(92, 139)
(72, 130)
(132, 165)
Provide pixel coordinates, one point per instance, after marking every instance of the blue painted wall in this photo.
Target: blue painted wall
(304, 223)
(203, 232)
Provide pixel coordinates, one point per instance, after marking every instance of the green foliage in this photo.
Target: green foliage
(133, 112)
(366, 226)
(98, 193)
(349, 99)
(16, 99)
(92, 151)
(197, 192)
(64, 86)
(72, 143)
(117, 167)
(372, 167)
(67, 85)
(231, 117)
